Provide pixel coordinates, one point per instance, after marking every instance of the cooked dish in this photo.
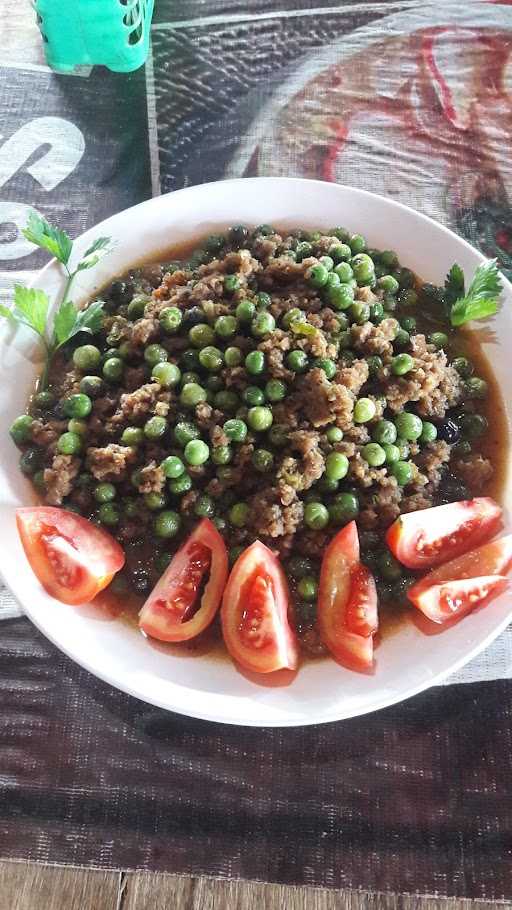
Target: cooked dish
(282, 386)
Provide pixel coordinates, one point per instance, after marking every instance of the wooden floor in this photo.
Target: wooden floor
(27, 886)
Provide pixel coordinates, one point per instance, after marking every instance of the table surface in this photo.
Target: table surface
(24, 885)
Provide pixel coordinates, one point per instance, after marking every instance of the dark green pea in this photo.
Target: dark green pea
(204, 506)
(214, 243)
(259, 418)
(278, 435)
(87, 357)
(402, 471)
(321, 363)
(226, 400)
(428, 433)
(406, 279)
(226, 326)
(155, 501)
(108, 514)
(137, 306)
(275, 390)
(32, 459)
(196, 452)
(476, 387)
(307, 588)
(113, 369)
(402, 364)
(255, 362)
(297, 361)
(389, 568)
(408, 297)
(155, 353)
(263, 300)
(214, 383)
(189, 377)
(262, 460)
(463, 447)
(39, 481)
(334, 435)
(375, 365)
(316, 516)
(384, 432)
(300, 567)
(231, 284)
(181, 485)
(77, 406)
(69, 443)
(388, 258)
(253, 395)
(438, 339)
(245, 311)
(184, 432)
(303, 251)
(326, 485)
(232, 357)
(402, 339)
(463, 366)
(222, 454)
(166, 374)
(155, 427)
(104, 492)
(263, 324)
(473, 425)
(341, 297)
(347, 358)
(192, 394)
(236, 430)
(408, 323)
(162, 562)
(167, 523)
(21, 429)
(389, 303)
(170, 320)
(44, 400)
(211, 358)
(92, 386)
(239, 514)
(360, 312)
(376, 312)
(265, 230)
(190, 360)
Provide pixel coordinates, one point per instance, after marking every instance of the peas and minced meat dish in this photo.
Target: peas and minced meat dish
(280, 384)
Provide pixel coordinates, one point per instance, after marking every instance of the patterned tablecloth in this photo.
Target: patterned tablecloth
(413, 98)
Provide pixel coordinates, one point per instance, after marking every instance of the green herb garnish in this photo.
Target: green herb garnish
(482, 298)
(31, 306)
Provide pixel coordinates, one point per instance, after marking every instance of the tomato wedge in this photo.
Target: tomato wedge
(454, 599)
(462, 576)
(430, 537)
(72, 558)
(176, 610)
(347, 602)
(254, 613)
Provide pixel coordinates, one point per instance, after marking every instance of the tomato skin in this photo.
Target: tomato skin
(454, 599)
(430, 537)
(72, 558)
(254, 613)
(347, 602)
(165, 617)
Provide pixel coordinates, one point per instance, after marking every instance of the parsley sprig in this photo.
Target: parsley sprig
(31, 305)
(482, 297)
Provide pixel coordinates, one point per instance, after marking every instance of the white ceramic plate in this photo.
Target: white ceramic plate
(406, 662)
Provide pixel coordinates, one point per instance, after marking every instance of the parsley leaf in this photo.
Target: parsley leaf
(31, 308)
(482, 298)
(64, 322)
(93, 255)
(454, 285)
(69, 321)
(42, 234)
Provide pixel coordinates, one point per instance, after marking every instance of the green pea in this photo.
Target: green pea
(170, 320)
(340, 252)
(21, 429)
(87, 357)
(292, 315)
(297, 361)
(316, 516)
(201, 335)
(184, 431)
(275, 390)
(364, 410)
(476, 387)
(408, 323)
(300, 566)
(239, 514)
(155, 353)
(173, 467)
(167, 524)
(384, 432)
(155, 501)
(402, 339)
(374, 454)
(341, 297)
(277, 435)
(236, 430)
(69, 443)
(403, 448)
(359, 312)
(357, 243)
(132, 436)
(166, 374)
(344, 271)
(78, 406)
(363, 268)
(259, 418)
(409, 426)
(344, 508)
(316, 276)
(403, 472)
(389, 568)
(77, 426)
(204, 506)
(473, 425)
(263, 300)
(402, 364)
(113, 369)
(263, 324)
(255, 362)
(262, 460)
(245, 311)
(137, 306)
(108, 514)
(463, 366)
(388, 283)
(336, 466)
(226, 326)
(325, 364)
(44, 400)
(196, 452)
(389, 303)
(438, 339)
(303, 251)
(326, 485)
(231, 284)
(232, 357)
(181, 485)
(226, 400)
(104, 492)
(307, 588)
(211, 358)
(222, 454)
(253, 395)
(92, 386)
(334, 435)
(333, 281)
(155, 427)
(391, 452)
(192, 394)
(376, 312)
(327, 262)
(428, 433)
